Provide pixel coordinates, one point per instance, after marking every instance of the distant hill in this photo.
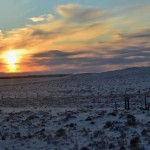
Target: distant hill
(115, 73)
(33, 76)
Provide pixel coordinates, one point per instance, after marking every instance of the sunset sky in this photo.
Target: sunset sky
(73, 36)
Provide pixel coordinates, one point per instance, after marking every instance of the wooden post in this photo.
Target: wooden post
(111, 92)
(37, 94)
(128, 103)
(116, 109)
(98, 92)
(98, 95)
(78, 91)
(125, 103)
(145, 102)
(139, 92)
(113, 98)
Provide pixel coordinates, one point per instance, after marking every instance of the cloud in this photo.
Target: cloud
(45, 17)
(82, 39)
(1, 34)
(92, 59)
(144, 34)
(76, 13)
(57, 53)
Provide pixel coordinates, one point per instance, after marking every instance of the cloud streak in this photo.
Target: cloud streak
(45, 17)
(78, 14)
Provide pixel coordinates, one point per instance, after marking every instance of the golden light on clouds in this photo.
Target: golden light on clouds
(78, 36)
(12, 59)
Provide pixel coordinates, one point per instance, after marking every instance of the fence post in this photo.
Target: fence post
(78, 90)
(128, 103)
(145, 101)
(125, 103)
(98, 92)
(116, 108)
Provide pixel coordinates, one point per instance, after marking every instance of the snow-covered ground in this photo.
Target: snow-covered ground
(76, 112)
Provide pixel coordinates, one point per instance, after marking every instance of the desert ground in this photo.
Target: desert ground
(77, 112)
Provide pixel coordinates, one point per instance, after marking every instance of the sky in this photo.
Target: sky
(73, 36)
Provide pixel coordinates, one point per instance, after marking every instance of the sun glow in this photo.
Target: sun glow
(12, 59)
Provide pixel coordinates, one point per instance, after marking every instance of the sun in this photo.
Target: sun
(12, 59)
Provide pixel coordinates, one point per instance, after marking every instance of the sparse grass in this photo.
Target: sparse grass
(61, 133)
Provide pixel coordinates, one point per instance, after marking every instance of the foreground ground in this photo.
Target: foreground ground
(76, 112)
(93, 125)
